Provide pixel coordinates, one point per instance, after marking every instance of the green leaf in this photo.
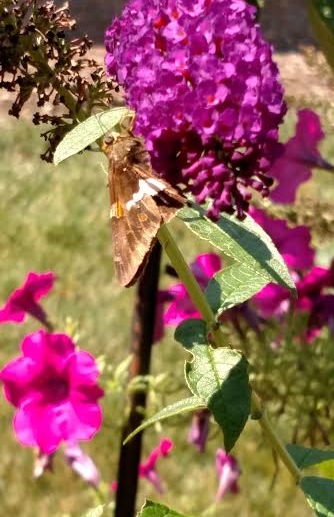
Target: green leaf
(190, 332)
(219, 377)
(94, 512)
(257, 261)
(177, 408)
(233, 285)
(323, 26)
(152, 509)
(306, 457)
(326, 469)
(319, 493)
(89, 131)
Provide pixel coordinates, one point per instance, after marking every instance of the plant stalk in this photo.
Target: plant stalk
(197, 296)
(142, 340)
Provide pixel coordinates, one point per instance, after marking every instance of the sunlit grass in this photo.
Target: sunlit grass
(56, 218)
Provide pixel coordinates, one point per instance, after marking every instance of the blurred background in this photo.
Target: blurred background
(57, 219)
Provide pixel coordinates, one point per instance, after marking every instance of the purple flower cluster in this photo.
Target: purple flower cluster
(206, 93)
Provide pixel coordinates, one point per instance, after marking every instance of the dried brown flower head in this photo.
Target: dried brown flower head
(37, 56)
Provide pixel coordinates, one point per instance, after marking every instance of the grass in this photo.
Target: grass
(57, 219)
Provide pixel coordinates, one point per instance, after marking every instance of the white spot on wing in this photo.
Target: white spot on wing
(147, 187)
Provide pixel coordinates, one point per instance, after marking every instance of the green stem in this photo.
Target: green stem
(197, 296)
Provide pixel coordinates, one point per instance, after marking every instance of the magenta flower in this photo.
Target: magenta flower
(294, 244)
(274, 300)
(147, 469)
(55, 390)
(182, 308)
(199, 430)
(24, 300)
(206, 93)
(299, 157)
(228, 474)
(82, 464)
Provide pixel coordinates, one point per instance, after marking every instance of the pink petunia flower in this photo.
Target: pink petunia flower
(24, 300)
(182, 308)
(294, 244)
(274, 300)
(82, 464)
(199, 429)
(299, 157)
(147, 469)
(228, 474)
(55, 390)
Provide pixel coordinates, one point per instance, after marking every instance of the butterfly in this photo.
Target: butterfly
(140, 203)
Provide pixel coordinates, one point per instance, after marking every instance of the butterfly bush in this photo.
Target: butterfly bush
(24, 300)
(206, 93)
(54, 388)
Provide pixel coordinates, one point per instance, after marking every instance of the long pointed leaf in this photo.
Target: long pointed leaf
(87, 132)
(181, 406)
(319, 493)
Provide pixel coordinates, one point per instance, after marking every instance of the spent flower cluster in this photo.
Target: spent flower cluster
(38, 57)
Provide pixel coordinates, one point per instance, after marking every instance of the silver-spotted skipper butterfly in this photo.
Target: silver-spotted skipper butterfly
(140, 203)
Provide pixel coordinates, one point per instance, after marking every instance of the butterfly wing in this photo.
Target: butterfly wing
(134, 226)
(140, 203)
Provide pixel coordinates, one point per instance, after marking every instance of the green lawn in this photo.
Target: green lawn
(56, 218)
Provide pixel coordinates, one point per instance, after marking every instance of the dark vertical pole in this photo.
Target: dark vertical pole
(142, 339)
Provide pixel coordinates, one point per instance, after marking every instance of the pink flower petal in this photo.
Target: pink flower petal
(24, 299)
(294, 244)
(299, 157)
(55, 389)
(83, 368)
(82, 464)
(39, 284)
(17, 377)
(34, 426)
(205, 266)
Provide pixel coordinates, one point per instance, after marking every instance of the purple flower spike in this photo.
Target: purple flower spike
(228, 473)
(206, 93)
(55, 390)
(24, 300)
(299, 158)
